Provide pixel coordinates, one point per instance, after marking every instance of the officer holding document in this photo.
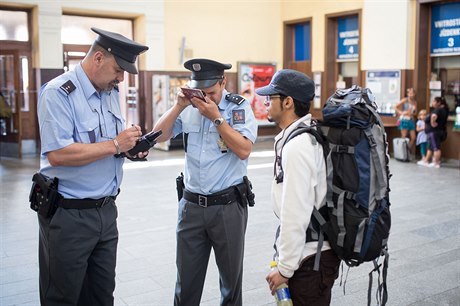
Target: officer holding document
(219, 132)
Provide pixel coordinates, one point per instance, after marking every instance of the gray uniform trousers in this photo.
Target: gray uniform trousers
(221, 227)
(77, 256)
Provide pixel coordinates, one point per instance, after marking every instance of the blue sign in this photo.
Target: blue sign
(445, 29)
(348, 38)
(383, 74)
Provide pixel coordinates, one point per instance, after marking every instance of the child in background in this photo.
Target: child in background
(421, 136)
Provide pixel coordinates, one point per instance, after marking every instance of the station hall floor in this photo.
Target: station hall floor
(424, 242)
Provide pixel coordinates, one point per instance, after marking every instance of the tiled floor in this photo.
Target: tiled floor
(424, 243)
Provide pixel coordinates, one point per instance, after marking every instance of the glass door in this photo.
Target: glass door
(11, 100)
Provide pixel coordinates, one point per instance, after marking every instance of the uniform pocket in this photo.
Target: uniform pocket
(87, 131)
(194, 137)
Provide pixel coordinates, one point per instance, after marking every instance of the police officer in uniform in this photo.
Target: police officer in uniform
(218, 137)
(81, 128)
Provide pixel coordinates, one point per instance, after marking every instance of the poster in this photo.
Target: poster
(164, 91)
(250, 77)
(385, 85)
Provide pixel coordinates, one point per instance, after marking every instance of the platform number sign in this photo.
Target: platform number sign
(348, 38)
(445, 29)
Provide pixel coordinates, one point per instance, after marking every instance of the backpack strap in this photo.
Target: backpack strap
(382, 292)
(321, 222)
(376, 160)
(316, 136)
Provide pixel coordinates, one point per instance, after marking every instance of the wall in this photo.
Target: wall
(387, 30)
(387, 33)
(317, 10)
(228, 31)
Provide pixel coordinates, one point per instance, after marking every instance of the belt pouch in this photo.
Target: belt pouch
(44, 194)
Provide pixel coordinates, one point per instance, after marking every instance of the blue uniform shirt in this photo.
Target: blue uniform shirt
(82, 116)
(210, 166)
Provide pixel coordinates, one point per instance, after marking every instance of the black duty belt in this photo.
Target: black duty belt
(85, 203)
(223, 197)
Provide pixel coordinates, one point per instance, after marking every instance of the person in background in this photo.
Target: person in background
(296, 190)
(406, 109)
(218, 137)
(436, 132)
(81, 128)
(421, 135)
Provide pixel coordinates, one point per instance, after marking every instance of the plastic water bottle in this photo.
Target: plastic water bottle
(282, 294)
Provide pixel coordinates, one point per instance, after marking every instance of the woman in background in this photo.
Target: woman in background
(436, 133)
(407, 109)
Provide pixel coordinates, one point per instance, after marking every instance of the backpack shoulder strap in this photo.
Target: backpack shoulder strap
(317, 137)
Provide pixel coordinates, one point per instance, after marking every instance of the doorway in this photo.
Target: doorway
(12, 99)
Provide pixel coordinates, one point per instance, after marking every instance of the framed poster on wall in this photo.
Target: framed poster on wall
(250, 77)
(164, 92)
(386, 87)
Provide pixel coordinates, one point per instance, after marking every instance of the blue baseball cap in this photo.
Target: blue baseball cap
(288, 82)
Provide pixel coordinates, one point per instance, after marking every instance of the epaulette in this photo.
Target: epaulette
(68, 87)
(237, 99)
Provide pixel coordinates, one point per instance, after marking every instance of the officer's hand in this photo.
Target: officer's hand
(182, 101)
(208, 109)
(141, 156)
(127, 138)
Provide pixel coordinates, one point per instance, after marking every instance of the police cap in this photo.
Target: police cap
(205, 72)
(123, 49)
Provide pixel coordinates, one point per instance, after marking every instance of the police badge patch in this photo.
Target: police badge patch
(238, 116)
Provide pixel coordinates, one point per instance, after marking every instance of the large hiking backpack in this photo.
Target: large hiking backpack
(357, 222)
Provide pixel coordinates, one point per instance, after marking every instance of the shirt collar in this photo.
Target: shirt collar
(86, 85)
(284, 133)
(223, 102)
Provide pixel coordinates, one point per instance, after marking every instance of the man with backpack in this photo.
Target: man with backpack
(299, 187)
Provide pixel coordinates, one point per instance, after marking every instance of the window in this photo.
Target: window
(302, 42)
(297, 45)
(76, 29)
(13, 25)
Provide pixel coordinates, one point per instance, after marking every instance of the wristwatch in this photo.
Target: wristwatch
(218, 121)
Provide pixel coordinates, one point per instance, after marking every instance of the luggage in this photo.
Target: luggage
(401, 149)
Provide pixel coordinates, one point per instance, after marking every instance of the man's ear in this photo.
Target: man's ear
(98, 57)
(288, 102)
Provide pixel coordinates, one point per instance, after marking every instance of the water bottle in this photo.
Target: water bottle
(282, 294)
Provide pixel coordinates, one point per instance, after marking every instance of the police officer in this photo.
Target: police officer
(81, 128)
(218, 136)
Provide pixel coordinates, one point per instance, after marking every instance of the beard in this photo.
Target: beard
(112, 85)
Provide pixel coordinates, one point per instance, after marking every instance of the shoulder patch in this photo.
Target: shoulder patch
(68, 87)
(238, 116)
(237, 99)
